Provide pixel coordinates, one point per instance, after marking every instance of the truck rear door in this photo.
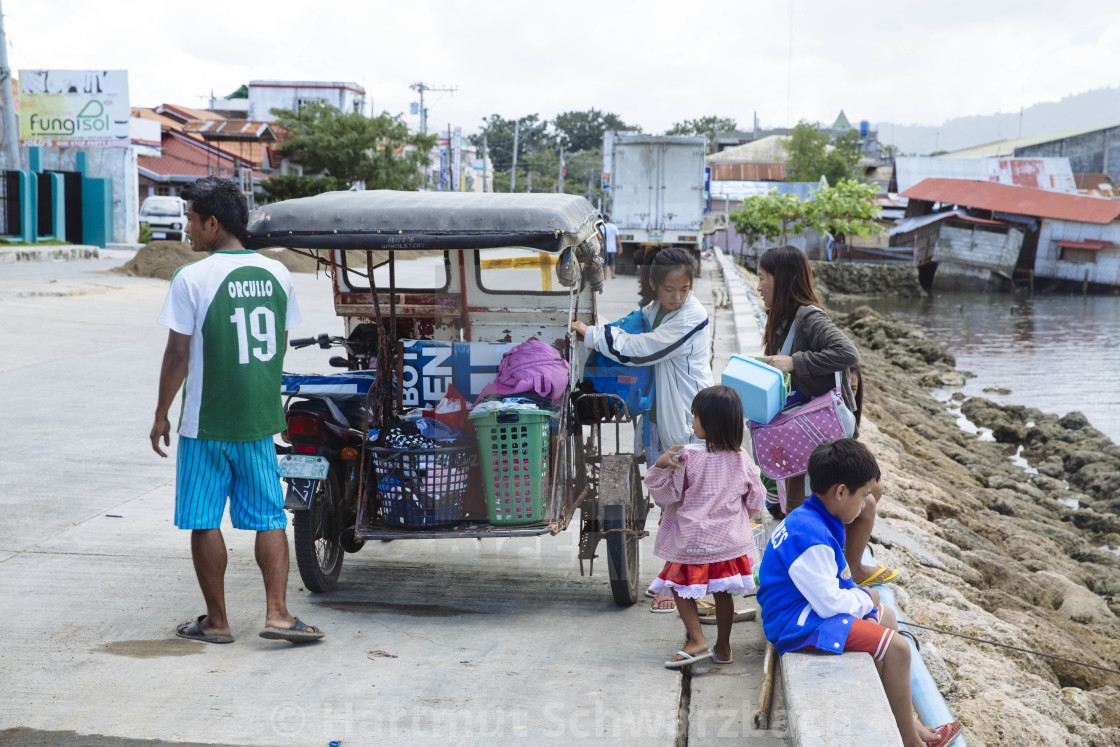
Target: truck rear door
(681, 186)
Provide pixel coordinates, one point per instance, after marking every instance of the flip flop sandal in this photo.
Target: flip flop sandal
(688, 659)
(730, 658)
(661, 600)
(707, 612)
(298, 632)
(881, 575)
(946, 733)
(193, 631)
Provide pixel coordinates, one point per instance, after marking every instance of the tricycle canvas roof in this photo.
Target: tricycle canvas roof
(468, 276)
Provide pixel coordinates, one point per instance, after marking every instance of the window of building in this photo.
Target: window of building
(1069, 254)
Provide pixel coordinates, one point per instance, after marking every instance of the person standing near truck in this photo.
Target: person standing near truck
(611, 243)
(228, 314)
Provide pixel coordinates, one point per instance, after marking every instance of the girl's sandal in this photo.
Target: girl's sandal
(707, 612)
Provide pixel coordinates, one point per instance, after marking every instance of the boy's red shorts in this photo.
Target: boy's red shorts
(869, 636)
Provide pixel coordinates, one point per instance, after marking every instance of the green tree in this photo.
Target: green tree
(342, 148)
(771, 217)
(584, 174)
(533, 135)
(705, 127)
(579, 131)
(810, 154)
(847, 209)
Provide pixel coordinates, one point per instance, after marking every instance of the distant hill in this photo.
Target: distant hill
(1095, 108)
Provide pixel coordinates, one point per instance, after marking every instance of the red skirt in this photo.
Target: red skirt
(696, 581)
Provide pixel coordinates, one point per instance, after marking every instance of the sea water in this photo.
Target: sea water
(1054, 353)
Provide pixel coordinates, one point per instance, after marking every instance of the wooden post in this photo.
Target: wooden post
(1030, 275)
(1085, 283)
(762, 711)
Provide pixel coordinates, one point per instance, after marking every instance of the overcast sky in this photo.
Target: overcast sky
(652, 62)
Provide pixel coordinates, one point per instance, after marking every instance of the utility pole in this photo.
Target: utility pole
(485, 158)
(560, 181)
(421, 88)
(11, 126)
(513, 170)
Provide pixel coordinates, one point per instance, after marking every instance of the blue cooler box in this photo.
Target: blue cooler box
(761, 387)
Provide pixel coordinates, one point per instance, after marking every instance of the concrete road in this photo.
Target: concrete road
(498, 641)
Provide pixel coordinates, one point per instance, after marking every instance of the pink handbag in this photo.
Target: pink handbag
(782, 446)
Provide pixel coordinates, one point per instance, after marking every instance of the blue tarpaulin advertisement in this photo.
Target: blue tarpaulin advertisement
(427, 367)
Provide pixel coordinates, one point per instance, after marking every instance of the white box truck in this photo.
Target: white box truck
(657, 193)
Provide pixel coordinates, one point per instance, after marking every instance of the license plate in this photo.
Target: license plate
(299, 465)
(656, 237)
(159, 234)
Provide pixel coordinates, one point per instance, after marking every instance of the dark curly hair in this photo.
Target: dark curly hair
(221, 198)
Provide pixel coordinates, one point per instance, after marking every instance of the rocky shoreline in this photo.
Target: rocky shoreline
(992, 548)
(998, 534)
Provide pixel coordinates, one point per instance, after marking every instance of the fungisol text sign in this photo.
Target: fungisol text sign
(74, 108)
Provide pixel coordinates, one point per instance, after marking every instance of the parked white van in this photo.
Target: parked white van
(166, 216)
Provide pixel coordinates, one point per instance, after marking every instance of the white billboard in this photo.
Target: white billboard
(74, 108)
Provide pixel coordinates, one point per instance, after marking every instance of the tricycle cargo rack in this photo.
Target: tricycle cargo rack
(432, 288)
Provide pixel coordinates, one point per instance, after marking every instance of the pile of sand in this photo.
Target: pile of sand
(160, 259)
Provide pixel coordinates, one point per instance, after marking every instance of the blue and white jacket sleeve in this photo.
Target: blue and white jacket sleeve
(648, 348)
(815, 575)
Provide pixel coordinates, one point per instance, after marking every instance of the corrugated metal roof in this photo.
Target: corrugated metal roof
(763, 150)
(1039, 173)
(1007, 147)
(906, 225)
(1092, 244)
(230, 129)
(183, 157)
(1019, 200)
(749, 172)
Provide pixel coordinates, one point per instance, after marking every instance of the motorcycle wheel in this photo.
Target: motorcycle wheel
(318, 549)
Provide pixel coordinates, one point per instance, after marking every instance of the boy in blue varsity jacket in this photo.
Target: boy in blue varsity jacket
(807, 594)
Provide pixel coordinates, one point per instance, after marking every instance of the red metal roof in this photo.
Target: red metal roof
(186, 158)
(749, 172)
(1018, 200)
(1086, 244)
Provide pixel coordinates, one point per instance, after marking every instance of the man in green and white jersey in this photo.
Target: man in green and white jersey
(228, 316)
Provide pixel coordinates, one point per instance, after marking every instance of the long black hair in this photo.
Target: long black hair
(657, 263)
(721, 416)
(793, 288)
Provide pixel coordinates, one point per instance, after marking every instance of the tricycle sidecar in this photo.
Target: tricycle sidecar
(433, 289)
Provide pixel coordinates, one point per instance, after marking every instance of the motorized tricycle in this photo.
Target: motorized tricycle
(434, 288)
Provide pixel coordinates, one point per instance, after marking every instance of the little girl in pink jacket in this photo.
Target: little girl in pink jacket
(708, 494)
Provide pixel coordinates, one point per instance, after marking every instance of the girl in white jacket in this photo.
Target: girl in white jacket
(678, 348)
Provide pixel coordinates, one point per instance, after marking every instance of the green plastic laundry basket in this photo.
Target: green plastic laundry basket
(513, 452)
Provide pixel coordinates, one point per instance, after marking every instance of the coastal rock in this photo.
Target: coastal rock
(866, 279)
(1051, 466)
(964, 538)
(1003, 545)
(1074, 421)
(1100, 479)
(1077, 603)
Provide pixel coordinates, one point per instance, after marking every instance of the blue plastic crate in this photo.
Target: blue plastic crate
(761, 387)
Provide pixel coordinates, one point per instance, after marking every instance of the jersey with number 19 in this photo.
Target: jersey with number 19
(236, 307)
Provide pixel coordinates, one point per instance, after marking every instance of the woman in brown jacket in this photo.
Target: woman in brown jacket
(819, 350)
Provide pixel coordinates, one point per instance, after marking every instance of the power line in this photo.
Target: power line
(1013, 648)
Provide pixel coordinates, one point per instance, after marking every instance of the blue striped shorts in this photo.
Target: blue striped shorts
(207, 472)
